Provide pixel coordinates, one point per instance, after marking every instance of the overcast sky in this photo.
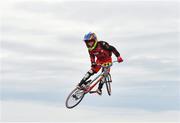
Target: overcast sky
(43, 57)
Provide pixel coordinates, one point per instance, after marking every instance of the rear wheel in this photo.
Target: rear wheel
(74, 98)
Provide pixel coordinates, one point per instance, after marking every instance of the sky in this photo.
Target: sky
(43, 57)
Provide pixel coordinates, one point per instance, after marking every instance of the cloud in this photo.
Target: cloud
(29, 112)
(43, 57)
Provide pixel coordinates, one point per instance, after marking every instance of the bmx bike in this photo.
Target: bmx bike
(76, 96)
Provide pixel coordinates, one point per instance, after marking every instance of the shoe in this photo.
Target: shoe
(98, 91)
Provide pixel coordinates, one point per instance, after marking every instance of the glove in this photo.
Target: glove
(119, 59)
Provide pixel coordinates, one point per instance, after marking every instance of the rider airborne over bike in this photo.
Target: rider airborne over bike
(100, 53)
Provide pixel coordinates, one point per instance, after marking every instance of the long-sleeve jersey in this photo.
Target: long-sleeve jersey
(103, 52)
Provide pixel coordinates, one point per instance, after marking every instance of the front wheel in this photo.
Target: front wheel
(108, 84)
(74, 98)
(108, 87)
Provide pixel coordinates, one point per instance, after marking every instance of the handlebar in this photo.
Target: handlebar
(107, 65)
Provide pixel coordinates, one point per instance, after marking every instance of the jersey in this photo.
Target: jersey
(102, 53)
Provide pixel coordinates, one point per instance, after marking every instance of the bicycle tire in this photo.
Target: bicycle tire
(68, 105)
(108, 84)
(108, 87)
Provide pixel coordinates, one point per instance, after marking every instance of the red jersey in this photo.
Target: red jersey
(102, 53)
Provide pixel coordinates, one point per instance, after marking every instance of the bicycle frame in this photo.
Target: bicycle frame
(99, 77)
(76, 95)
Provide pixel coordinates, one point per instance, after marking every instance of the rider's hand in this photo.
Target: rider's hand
(119, 59)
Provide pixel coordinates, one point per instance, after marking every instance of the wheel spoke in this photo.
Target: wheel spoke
(74, 98)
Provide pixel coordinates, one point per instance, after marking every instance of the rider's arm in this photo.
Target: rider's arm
(111, 48)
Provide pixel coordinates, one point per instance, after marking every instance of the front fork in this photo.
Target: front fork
(107, 78)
